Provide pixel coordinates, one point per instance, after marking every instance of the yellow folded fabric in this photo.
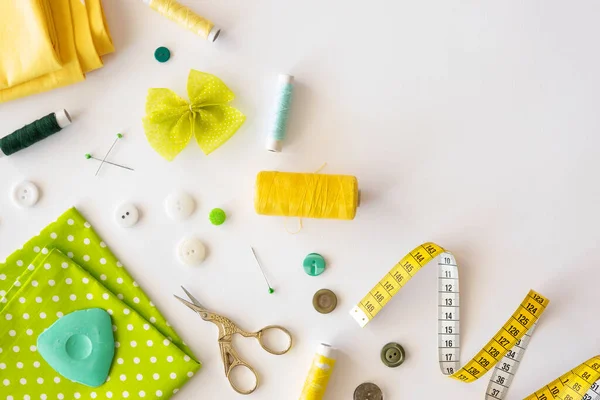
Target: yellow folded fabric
(84, 44)
(75, 30)
(99, 27)
(28, 41)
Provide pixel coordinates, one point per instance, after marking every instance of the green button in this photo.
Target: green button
(217, 216)
(368, 391)
(392, 355)
(324, 301)
(162, 54)
(314, 264)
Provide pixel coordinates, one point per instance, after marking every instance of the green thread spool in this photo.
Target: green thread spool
(34, 132)
(282, 112)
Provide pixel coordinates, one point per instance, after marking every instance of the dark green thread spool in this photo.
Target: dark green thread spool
(34, 132)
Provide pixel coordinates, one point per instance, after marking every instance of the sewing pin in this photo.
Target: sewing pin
(119, 136)
(271, 290)
(88, 156)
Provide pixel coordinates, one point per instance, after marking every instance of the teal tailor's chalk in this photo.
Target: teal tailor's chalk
(80, 346)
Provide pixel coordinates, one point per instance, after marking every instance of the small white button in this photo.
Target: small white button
(127, 215)
(191, 252)
(179, 206)
(25, 194)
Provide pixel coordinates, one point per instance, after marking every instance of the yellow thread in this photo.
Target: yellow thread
(321, 168)
(306, 195)
(299, 226)
(183, 16)
(318, 378)
(300, 218)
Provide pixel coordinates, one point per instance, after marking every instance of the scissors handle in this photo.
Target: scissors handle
(260, 337)
(232, 360)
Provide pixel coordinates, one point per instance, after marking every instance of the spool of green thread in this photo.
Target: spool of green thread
(34, 132)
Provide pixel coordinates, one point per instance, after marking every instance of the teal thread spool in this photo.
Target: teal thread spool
(282, 112)
(34, 132)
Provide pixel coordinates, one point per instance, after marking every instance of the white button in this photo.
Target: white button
(179, 206)
(25, 194)
(127, 215)
(191, 252)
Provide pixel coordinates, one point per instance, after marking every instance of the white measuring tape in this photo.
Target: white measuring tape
(503, 352)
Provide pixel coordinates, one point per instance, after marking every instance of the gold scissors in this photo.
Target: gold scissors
(227, 329)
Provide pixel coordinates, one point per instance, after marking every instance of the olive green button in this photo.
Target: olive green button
(162, 54)
(314, 264)
(324, 301)
(368, 391)
(392, 355)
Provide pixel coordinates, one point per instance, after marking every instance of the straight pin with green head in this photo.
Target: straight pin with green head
(119, 136)
(88, 156)
(271, 290)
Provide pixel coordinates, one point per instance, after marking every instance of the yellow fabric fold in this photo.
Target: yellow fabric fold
(28, 41)
(51, 43)
(99, 27)
(71, 69)
(84, 44)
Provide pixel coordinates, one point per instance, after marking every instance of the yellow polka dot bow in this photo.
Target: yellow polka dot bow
(170, 121)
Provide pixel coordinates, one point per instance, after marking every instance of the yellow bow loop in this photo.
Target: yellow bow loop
(170, 121)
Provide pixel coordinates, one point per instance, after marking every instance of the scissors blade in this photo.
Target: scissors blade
(192, 298)
(190, 305)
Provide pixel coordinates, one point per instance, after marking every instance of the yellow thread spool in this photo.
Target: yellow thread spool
(319, 374)
(307, 195)
(186, 18)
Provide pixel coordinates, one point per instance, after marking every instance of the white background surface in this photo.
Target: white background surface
(472, 126)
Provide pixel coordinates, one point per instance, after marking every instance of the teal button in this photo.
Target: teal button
(162, 54)
(314, 264)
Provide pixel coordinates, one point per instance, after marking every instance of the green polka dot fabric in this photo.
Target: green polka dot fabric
(170, 121)
(67, 267)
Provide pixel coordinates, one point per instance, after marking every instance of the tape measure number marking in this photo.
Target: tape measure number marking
(505, 370)
(505, 350)
(580, 383)
(397, 277)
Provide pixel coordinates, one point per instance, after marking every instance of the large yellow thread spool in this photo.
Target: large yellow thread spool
(306, 195)
(186, 18)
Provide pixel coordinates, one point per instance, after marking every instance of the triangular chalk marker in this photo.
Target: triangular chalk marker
(80, 346)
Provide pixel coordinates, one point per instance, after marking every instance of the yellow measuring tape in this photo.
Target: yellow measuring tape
(503, 352)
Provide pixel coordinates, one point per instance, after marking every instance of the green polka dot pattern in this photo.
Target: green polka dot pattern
(66, 268)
